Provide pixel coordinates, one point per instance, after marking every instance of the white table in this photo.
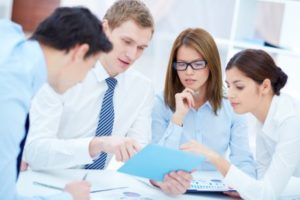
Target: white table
(101, 179)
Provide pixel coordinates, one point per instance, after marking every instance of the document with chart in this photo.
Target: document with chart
(208, 181)
(209, 185)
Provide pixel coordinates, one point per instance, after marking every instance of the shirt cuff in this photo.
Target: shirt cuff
(173, 135)
(81, 150)
(234, 178)
(230, 175)
(176, 130)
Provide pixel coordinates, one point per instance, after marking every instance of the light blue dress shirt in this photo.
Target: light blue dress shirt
(226, 131)
(22, 72)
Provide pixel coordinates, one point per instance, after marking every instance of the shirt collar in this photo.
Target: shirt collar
(101, 73)
(206, 104)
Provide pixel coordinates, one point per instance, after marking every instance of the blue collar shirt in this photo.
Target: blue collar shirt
(224, 132)
(22, 72)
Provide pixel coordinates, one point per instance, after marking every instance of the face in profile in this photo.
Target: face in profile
(129, 42)
(75, 69)
(244, 93)
(194, 79)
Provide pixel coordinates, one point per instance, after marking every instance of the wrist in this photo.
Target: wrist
(213, 157)
(177, 119)
(221, 164)
(95, 146)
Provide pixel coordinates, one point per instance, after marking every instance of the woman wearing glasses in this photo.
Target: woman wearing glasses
(254, 83)
(192, 106)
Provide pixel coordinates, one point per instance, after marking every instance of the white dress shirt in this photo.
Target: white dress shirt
(61, 127)
(278, 152)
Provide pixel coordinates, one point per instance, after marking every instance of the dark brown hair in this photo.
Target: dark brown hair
(202, 42)
(259, 65)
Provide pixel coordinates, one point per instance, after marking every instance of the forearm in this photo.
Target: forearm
(57, 153)
(219, 162)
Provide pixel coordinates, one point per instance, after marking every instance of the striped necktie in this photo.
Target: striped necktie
(106, 121)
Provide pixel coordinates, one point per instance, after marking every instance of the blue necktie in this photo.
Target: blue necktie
(106, 121)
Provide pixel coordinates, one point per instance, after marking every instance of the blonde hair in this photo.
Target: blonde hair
(202, 42)
(123, 10)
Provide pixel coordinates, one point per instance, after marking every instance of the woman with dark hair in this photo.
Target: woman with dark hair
(254, 83)
(192, 106)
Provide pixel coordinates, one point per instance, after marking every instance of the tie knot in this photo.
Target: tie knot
(111, 82)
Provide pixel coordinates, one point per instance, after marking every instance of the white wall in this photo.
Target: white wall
(5, 9)
(290, 38)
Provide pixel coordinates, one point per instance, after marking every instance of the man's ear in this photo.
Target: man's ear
(266, 86)
(80, 51)
(105, 26)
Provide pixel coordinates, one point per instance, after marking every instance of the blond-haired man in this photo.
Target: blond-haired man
(109, 113)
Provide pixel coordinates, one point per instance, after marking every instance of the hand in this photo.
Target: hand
(175, 183)
(123, 147)
(23, 166)
(184, 102)
(79, 190)
(220, 163)
(234, 195)
(197, 148)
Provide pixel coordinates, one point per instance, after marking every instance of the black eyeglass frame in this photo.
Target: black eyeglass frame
(189, 64)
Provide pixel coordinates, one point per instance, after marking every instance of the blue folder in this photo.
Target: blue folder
(155, 161)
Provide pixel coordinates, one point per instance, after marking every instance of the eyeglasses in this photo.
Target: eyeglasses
(196, 65)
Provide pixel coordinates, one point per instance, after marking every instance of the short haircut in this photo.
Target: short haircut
(67, 27)
(201, 41)
(123, 10)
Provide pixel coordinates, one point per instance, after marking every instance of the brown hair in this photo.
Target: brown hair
(202, 42)
(259, 65)
(123, 10)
